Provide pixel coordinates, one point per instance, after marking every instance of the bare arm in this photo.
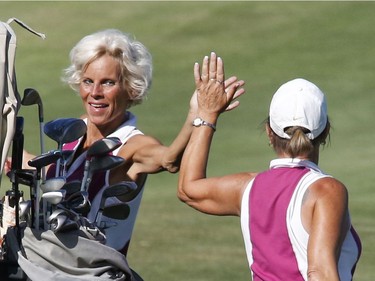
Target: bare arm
(217, 195)
(151, 156)
(329, 223)
(26, 157)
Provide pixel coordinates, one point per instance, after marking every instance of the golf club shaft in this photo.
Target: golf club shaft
(42, 147)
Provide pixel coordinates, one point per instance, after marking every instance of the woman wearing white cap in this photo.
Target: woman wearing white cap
(294, 218)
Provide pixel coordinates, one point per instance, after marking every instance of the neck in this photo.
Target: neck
(313, 157)
(95, 132)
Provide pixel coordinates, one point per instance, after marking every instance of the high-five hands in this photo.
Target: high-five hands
(214, 94)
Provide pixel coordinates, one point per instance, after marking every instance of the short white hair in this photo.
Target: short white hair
(134, 59)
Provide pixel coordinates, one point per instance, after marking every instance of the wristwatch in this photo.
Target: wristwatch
(197, 122)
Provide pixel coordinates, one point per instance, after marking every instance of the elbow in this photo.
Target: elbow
(322, 273)
(181, 195)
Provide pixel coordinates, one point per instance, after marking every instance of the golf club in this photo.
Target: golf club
(78, 202)
(39, 162)
(45, 159)
(60, 221)
(53, 184)
(27, 177)
(118, 211)
(54, 197)
(99, 148)
(64, 130)
(72, 187)
(115, 190)
(31, 97)
(67, 158)
(25, 208)
(95, 164)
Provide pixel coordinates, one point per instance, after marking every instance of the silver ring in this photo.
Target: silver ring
(213, 79)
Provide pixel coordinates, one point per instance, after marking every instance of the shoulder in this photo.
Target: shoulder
(137, 143)
(329, 192)
(328, 186)
(141, 140)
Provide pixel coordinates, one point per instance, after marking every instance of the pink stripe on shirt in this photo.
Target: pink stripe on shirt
(273, 256)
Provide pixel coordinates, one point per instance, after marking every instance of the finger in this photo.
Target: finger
(197, 75)
(204, 75)
(220, 71)
(231, 91)
(233, 80)
(239, 93)
(230, 81)
(232, 106)
(213, 58)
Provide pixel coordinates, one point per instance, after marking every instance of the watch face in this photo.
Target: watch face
(197, 122)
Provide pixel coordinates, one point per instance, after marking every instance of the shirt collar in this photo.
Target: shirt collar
(293, 162)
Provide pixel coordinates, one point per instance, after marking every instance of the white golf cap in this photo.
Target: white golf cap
(298, 103)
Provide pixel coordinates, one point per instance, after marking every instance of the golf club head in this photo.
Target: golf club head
(71, 187)
(45, 159)
(62, 221)
(106, 162)
(65, 130)
(53, 184)
(68, 226)
(54, 197)
(23, 176)
(119, 211)
(56, 213)
(117, 190)
(30, 97)
(122, 190)
(25, 207)
(103, 146)
(78, 202)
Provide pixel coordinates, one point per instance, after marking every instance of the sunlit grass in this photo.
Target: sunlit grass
(264, 43)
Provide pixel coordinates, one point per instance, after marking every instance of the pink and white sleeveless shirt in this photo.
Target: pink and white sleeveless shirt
(275, 239)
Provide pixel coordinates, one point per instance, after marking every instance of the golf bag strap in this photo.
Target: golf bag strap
(9, 101)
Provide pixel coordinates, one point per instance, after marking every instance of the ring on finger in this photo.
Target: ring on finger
(213, 79)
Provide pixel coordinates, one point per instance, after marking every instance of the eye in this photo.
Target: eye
(109, 83)
(87, 81)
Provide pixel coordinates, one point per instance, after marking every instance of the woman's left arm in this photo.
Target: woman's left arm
(328, 228)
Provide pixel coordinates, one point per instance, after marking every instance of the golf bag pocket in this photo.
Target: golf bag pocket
(70, 256)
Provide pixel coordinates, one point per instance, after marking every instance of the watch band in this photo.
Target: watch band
(200, 122)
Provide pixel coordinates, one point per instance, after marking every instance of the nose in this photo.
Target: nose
(96, 90)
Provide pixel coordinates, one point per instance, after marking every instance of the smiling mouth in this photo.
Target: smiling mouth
(98, 105)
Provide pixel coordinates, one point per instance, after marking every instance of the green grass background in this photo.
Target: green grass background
(264, 43)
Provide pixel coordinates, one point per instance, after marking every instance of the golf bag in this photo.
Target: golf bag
(27, 252)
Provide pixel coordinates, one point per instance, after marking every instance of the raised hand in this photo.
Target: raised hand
(214, 95)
